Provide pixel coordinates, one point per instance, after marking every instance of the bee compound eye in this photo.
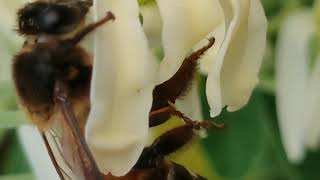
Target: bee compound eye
(51, 17)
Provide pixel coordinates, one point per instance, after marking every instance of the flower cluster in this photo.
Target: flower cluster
(125, 71)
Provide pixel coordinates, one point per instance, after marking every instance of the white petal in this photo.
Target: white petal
(185, 23)
(292, 78)
(207, 61)
(122, 84)
(234, 72)
(37, 153)
(190, 104)
(152, 23)
(213, 87)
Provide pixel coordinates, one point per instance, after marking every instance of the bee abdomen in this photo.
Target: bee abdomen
(34, 77)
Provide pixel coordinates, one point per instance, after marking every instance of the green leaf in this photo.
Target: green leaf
(309, 168)
(313, 48)
(12, 119)
(12, 156)
(273, 163)
(308, 2)
(272, 7)
(18, 177)
(2, 135)
(233, 150)
(267, 85)
(7, 97)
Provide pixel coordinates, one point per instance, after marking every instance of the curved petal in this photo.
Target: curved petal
(234, 72)
(152, 24)
(122, 84)
(190, 104)
(37, 153)
(185, 23)
(292, 79)
(209, 59)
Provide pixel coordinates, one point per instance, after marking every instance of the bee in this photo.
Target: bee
(52, 75)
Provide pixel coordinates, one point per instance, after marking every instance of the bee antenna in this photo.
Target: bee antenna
(91, 27)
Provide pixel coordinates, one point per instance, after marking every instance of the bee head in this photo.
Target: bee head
(55, 18)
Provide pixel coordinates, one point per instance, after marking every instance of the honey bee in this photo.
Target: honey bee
(52, 75)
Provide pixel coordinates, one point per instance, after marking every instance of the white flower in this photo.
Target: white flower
(234, 70)
(125, 72)
(122, 84)
(292, 72)
(233, 63)
(298, 86)
(185, 23)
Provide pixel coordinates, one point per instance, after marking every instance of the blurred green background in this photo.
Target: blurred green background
(248, 148)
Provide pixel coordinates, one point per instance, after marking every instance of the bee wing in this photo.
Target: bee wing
(67, 156)
(67, 147)
(134, 175)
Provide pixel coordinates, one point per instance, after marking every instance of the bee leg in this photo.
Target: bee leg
(176, 138)
(178, 84)
(167, 143)
(171, 141)
(52, 157)
(62, 99)
(91, 27)
(164, 145)
(160, 116)
(197, 124)
(175, 87)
